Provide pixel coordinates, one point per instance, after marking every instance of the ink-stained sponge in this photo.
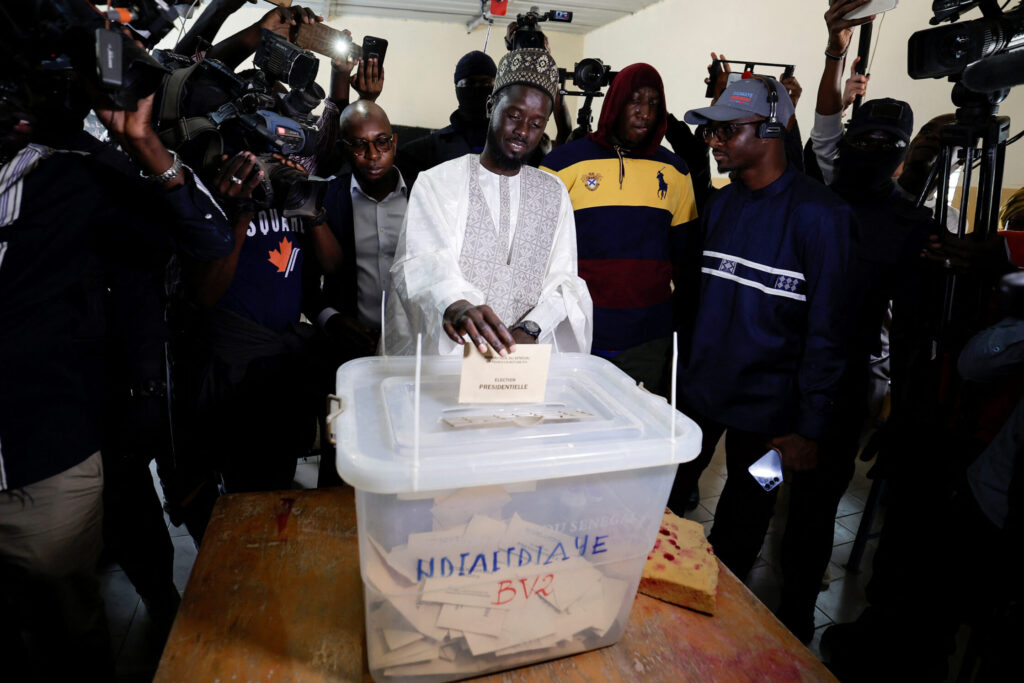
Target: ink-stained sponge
(681, 568)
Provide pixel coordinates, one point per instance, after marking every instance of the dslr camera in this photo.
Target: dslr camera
(589, 75)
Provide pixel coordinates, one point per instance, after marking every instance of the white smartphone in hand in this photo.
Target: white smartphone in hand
(767, 471)
(873, 7)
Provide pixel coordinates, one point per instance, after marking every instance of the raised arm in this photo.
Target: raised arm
(281, 20)
(840, 34)
(206, 27)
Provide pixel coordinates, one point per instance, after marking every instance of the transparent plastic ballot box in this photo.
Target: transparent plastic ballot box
(497, 535)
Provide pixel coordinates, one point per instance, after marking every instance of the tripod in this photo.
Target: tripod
(584, 115)
(981, 137)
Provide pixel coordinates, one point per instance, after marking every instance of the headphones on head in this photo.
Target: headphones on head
(771, 129)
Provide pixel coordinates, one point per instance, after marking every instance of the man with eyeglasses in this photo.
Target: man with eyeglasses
(467, 131)
(365, 210)
(767, 349)
(488, 248)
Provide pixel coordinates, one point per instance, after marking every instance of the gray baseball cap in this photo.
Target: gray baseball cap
(742, 98)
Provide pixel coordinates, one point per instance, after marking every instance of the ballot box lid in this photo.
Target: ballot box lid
(594, 419)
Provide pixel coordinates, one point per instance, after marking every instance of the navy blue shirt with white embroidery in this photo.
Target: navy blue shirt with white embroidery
(768, 345)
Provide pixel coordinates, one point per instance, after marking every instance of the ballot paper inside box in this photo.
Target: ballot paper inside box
(521, 540)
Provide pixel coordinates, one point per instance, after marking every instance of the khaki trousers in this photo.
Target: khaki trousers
(51, 533)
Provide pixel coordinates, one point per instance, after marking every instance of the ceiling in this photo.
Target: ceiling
(586, 15)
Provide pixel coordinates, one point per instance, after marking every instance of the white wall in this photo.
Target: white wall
(419, 89)
(677, 37)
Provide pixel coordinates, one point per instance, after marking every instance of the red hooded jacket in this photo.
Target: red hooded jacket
(633, 77)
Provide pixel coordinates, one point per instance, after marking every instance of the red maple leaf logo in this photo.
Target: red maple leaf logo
(281, 256)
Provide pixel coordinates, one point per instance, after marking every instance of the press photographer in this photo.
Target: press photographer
(244, 359)
(945, 446)
(84, 229)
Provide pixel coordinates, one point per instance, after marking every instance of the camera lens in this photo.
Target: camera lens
(589, 74)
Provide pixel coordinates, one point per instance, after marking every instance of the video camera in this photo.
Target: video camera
(527, 35)
(285, 61)
(985, 53)
(207, 110)
(65, 38)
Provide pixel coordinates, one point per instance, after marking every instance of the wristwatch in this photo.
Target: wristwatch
(168, 175)
(529, 327)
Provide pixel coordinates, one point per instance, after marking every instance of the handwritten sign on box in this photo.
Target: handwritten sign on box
(521, 377)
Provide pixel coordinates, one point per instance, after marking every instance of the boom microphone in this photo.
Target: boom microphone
(995, 73)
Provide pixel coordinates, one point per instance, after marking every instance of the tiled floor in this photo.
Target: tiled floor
(844, 599)
(137, 647)
(136, 642)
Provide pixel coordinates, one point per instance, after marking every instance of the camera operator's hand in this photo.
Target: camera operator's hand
(799, 454)
(856, 85)
(291, 163)
(969, 255)
(133, 131)
(723, 77)
(238, 177)
(127, 127)
(511, 30)
(284, 21)
(481, 324)
(233, 187)
(369, 80)
(793, 87)
(840, 30)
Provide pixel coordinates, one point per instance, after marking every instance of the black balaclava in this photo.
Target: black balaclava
(473, 104)
(868, 172)
(472, 109)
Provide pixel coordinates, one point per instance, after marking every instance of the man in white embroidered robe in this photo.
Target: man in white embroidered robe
(488, 248)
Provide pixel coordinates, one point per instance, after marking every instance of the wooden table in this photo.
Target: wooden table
(275, 595)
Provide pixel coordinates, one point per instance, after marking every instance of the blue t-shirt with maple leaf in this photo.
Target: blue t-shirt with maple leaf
(267, 287)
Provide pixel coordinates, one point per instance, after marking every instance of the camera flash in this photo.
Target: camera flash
(342, 47)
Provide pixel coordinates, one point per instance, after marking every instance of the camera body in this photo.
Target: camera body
(947, 51)
(590, 75)
(285, 61)
(527, 35)
(212, 111)
(70, 39)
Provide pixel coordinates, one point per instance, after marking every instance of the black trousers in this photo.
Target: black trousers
(744, 508)
(814, 498)
(265, 425)
(135, 532)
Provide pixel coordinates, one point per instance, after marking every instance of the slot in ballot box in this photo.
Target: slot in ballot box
(497, 535)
